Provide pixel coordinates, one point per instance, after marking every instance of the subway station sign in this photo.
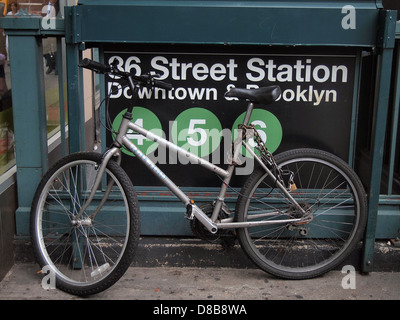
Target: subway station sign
(314, 109)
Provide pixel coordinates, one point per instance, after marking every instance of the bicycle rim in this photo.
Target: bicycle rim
(331, 196)
(81, 252)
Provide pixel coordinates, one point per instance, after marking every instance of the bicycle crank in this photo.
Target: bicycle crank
(225, 237)
(194, 212)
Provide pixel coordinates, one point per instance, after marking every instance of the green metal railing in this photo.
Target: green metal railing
(92, 24)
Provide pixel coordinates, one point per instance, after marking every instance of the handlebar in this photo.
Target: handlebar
(95, 66)
(143, 80)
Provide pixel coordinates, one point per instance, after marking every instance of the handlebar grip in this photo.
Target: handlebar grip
(102, 68)
(162, 85)
(95, 66)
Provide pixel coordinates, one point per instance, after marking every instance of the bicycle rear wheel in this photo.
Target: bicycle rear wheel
(87, 254)
(334, 199)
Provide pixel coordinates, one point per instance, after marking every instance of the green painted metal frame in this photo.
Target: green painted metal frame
(386, 42)
(283, 23)
(224, 22)
(28, 94)
(29, 119)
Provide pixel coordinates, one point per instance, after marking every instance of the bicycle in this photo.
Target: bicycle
(297, 216)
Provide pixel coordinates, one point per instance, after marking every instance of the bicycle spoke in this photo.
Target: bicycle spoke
(330, 209)
(81, 250)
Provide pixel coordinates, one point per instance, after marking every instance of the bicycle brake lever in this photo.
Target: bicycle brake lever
(114, 63)
(152, 74)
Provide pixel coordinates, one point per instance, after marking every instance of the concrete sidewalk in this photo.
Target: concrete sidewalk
(190, 269)
(177, 283)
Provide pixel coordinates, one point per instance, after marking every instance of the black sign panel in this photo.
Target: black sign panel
(314, 110)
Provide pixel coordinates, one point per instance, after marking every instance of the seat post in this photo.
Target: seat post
(249, 111)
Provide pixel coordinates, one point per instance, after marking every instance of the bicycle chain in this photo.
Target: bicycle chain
(266, 155)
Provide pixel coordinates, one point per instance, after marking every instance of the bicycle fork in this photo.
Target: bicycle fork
(114, 151)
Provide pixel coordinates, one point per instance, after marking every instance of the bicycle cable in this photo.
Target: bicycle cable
(108, 125)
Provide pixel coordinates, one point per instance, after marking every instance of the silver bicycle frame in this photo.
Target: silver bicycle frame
(210, 223)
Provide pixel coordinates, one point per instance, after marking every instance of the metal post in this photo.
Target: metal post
(29, 112)
(61, 97)
(76, 118)
(386, 40)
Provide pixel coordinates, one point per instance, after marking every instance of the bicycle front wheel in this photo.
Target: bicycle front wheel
(334, 200)
(86, 253)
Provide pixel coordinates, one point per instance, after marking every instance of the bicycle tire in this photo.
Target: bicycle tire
(86, 255)
(301, 251)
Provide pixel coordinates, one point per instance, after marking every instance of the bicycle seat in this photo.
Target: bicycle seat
(264, 95)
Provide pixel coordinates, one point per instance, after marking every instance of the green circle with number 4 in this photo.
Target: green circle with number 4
(268, 127)
(147, 119)
(198, 131)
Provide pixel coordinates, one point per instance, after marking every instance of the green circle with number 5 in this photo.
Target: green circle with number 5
(198, 131)
(268, 127)
(147, 119)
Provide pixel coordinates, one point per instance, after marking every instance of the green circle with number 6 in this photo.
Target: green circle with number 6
(198, 131)
(147, 119)
(268, 127)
